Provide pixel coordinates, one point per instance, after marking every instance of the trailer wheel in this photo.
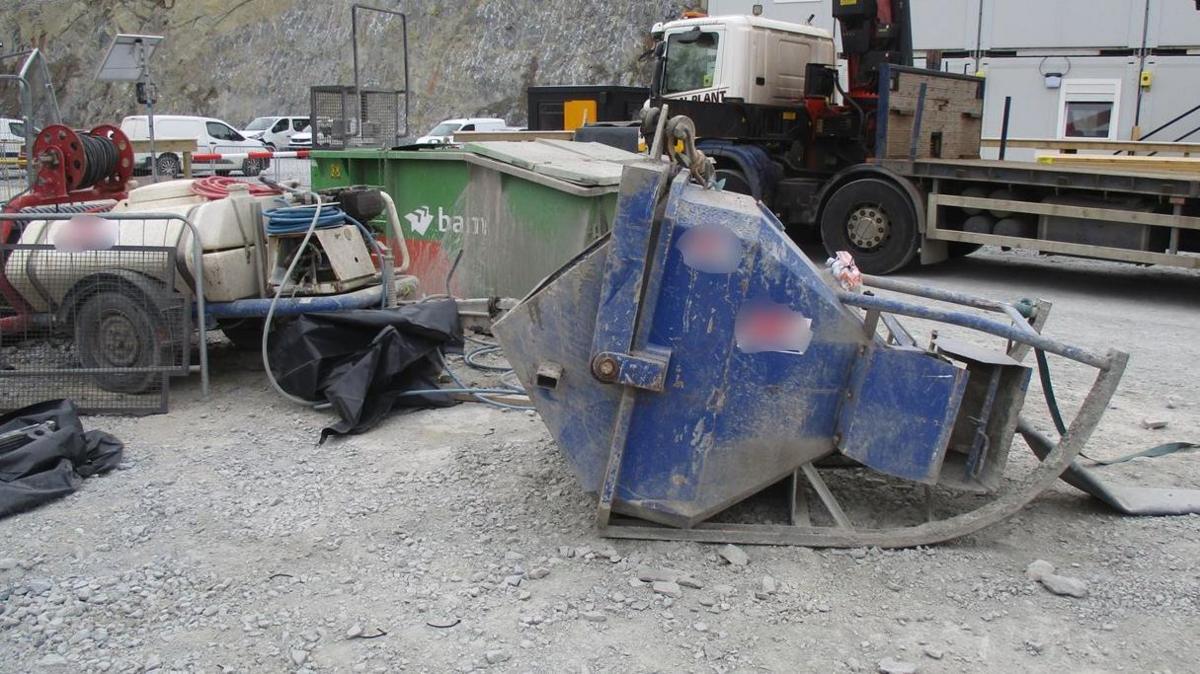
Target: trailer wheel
(113, 330)
(874, 220)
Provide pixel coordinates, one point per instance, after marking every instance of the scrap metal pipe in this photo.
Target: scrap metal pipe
(964, 299)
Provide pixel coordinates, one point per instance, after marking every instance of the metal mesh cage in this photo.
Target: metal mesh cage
(333, 120)
(340, 119)
(103, 328)
(381, 125)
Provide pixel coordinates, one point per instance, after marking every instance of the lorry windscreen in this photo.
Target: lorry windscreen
(691, 61)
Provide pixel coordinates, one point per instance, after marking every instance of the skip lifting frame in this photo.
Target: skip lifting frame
(651, 487)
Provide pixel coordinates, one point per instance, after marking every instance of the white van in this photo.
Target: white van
(276, 132)
(212, 136)
(444, 133)
(12, 137)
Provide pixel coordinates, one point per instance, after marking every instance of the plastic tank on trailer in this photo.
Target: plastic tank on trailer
(228, 238)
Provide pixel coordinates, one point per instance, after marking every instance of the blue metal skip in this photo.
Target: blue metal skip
(697, 357)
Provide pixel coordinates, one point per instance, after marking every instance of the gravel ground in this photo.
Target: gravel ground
(456, 539)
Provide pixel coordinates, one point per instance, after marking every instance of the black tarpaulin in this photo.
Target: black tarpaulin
(50, 466)
(361, 361)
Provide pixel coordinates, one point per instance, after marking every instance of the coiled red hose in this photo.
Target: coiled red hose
(217, 187)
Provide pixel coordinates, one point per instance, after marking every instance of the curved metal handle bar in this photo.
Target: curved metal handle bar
(973, 322)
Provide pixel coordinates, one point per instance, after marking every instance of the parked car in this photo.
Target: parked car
(444, 133)
(276, 132)
(12, 137)
(301, 141)
(212, 136)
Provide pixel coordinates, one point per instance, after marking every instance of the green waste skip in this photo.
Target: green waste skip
(517, 211)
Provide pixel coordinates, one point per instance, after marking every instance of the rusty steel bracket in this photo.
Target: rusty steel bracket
(646, 370)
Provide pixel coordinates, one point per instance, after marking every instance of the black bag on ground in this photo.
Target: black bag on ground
(362, 361)
(50, 463)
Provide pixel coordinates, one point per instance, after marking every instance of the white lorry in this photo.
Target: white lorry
(882, 158)
(12, 137)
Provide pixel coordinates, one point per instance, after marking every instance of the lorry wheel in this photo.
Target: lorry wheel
(113, 330)
(168, 165)
(874, 221)
(245, 333)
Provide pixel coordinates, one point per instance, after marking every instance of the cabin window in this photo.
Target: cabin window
(1089, 109)
(1088, 119)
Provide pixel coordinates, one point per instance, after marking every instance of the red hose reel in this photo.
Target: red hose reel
(71, 166)
(74, 166)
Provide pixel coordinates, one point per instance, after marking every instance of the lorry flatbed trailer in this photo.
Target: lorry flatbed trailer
(1048, 175)
(1128, 216)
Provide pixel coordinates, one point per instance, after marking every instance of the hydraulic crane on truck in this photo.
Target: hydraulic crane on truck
(887, 165)
(762, 96)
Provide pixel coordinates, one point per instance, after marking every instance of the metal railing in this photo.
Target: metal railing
(38, 106)
(276, 168)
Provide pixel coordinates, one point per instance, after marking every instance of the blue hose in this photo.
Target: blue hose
(471, 358)
(297, 219)
(480, 393)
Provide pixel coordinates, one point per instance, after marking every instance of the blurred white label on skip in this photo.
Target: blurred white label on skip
(710, 249)
(764, 326)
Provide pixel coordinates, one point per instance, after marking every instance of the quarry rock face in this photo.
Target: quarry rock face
(237, 59)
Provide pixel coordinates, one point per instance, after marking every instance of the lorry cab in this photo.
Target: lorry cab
(746, 59)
